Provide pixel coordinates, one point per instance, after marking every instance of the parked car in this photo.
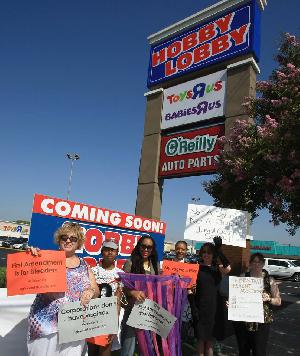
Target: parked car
(9, 242)
(20, 245)
(282, 268)
(2, 239)
(296, 263)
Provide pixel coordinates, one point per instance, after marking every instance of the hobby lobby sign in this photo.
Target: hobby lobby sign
(229, 35)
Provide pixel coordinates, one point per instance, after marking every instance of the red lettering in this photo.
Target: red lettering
(128, 243)
(201, 53)
(189, 41)
(239, 35)
(207, 32)
(120, 262)
(158, 57)
(218, 85)
(93, 241)
(189, 94)
(169, 69)
(220, 44)
(184, 61)
(170, 98)
(224, 23)
(91, 261)
(174, 49)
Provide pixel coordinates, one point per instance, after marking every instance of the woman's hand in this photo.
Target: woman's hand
(138, 295)
(110, 338)
(35, 251)
(86, 296)
(266, 297)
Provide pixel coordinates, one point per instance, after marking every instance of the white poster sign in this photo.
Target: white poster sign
(151, 316)
(204, 222)
(197, 100)
(76, 322)
(245, 299)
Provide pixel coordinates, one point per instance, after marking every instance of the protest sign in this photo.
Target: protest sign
(204, 222)
(27, 274)
(182, 269)
(151, 316)
(245, 299)
(99, 224)
(77, 322)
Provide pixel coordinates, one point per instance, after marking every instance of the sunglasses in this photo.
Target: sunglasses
(65, 238)
(146, 247)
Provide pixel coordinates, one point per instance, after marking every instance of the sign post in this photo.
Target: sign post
(200, 71)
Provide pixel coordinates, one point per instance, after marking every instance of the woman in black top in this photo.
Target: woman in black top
(143, 260)
(204, 301)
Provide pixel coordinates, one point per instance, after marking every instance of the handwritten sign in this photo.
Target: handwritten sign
(27, 274)
(203, 223)
(77, 322)
(182, 269)
(245, 299)
(151, 316)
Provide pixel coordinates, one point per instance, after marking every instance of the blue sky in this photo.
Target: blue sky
(73, 75)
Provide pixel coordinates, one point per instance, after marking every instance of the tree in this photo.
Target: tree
(260, 159)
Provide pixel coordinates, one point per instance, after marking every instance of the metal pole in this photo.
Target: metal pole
(73, 157)
(70, 179)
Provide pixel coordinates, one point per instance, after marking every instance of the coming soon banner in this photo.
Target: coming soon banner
(99, 224)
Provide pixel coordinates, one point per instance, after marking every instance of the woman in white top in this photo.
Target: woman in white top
(107, 278)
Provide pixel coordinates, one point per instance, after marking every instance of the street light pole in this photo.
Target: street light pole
(73, 157)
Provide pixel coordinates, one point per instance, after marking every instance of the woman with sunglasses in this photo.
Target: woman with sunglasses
(81, 286)
(213, 265)
(143, 260)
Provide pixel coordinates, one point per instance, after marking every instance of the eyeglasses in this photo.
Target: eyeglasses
(65, 238)
(146, 247)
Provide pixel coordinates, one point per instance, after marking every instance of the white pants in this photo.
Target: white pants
(48, 346)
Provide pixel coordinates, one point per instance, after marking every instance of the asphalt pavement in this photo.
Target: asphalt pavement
(284, 337)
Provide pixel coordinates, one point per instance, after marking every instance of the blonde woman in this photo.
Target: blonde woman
(81, 286)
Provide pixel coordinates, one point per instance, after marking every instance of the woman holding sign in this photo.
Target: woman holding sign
(254, 336)
(81, 286)
(204, 301)
(107, 277)
(143, 260)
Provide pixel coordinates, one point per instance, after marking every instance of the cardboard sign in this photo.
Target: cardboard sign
(77, 322)
(182, 269)
(197, 100)
(204, 222)
(245, 299)
(191, 152)
(99, 224)
(229, 34)
(27, 274)
(151, 316)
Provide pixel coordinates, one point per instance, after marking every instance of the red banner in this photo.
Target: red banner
(78, 211)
